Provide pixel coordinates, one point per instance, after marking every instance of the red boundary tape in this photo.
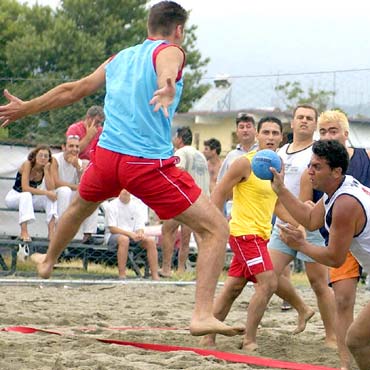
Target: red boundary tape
(227, 356)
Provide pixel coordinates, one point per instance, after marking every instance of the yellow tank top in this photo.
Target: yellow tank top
(253, 206)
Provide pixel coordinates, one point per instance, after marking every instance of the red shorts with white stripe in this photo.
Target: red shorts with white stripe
(166, 189)
(251, 256)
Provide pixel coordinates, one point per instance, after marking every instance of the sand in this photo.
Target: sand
(86, 312)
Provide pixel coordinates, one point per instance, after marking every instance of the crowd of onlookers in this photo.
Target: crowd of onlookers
(48, 181)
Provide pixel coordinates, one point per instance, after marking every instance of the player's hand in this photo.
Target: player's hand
(11, 111)
(310, 203)
(163, 98)
(277, 183)
(291, 235)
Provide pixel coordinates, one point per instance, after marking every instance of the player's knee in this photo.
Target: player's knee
(268, 285)
(353, 340)
(222, 228)
(343, 302)
(318, 286)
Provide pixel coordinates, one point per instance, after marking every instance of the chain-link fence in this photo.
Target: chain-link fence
(47, 127)
(348, 90)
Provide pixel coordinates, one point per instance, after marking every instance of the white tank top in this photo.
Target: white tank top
(360, 246)
(294, 164)
(67, 172)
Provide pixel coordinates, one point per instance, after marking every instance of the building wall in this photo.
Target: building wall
(220, 127)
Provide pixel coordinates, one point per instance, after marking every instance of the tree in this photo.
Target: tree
(53, 46)
(293, 94)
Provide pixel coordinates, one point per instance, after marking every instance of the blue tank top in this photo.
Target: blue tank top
(131, 126)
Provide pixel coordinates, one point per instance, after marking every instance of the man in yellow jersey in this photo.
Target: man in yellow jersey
(254, 203)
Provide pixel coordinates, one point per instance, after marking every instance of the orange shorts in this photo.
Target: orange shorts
(349, 270)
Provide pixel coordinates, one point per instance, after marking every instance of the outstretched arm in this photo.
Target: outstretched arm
(60, 96)
(312, 218)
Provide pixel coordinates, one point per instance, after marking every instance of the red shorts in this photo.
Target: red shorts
(251, 256)
(164, 187)
(349, 270)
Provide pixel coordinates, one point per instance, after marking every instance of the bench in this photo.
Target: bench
(75, 249)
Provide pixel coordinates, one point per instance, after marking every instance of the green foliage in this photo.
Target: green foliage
(41, 48)
(293, 94)
(193, 72)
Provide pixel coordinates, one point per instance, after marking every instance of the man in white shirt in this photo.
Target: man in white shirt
(246, 134)
(67, 169)
(125, 219)
(194, 162)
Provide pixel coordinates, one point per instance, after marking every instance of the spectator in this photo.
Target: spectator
(125, 220)
(246, 134)
(32, 190)
(212, 151)
(88, 130)
(67, 170)
(194, 162)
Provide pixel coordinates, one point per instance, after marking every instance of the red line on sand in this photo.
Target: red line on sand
(28, 330)
(227, 356)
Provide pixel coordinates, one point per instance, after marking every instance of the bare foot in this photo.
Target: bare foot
(44, 269)
(211, 325)
(208, 341)
(331, 343)
(37, 257)
(249, 346)
(303, 320)
(164, 274)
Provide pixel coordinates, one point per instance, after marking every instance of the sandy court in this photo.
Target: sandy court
(72, 309)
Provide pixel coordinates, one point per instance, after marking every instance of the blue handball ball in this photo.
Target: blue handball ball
(262, 161)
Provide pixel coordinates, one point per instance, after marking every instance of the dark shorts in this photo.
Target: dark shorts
(113, 243)
(161, 185)
(251, 256)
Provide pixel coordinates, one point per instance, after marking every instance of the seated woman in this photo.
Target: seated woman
(31, 191)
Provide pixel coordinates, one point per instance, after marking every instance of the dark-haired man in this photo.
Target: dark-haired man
(246, 134)
(334, 125)
(134, 151)
(212, 151)
(254, 202)
(296, 156)
(344, 210)
(88, 130)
